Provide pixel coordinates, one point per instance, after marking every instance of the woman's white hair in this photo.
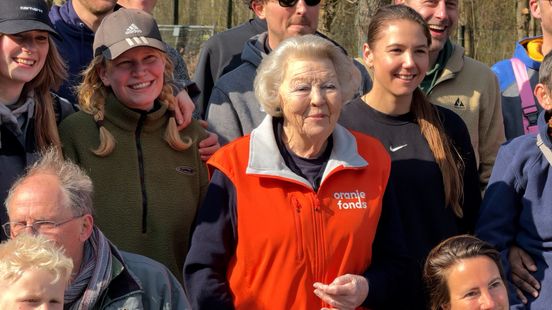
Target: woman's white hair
(270, 73)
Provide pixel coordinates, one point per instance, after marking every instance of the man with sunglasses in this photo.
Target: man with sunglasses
(233, 110)
(54, 199)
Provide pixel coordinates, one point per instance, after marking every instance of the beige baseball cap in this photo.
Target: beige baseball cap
(125, 29)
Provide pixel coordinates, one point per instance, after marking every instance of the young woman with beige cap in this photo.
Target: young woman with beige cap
(149, 177)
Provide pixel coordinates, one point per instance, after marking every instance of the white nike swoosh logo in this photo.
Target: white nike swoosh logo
(394, 149)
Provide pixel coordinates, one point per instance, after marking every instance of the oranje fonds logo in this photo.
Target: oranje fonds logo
(350, 200)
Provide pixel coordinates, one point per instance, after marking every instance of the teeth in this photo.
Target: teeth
(140, 85)
(25, 61)
(406, 76)
(437, 27)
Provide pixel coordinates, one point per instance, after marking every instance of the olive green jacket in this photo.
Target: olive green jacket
(146, 193)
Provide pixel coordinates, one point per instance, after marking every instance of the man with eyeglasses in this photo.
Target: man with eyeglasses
(54, 199)
(233, 110)
(520, 110)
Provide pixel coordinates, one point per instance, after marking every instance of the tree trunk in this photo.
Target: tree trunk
(366, 9)
(467, 23)
(523, 17)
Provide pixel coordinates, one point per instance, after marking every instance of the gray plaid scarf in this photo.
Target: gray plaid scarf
(94, 274)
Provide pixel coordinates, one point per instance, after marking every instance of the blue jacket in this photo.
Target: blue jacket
(75, 48)
(516, 208)
(142, 283)
(511, 102)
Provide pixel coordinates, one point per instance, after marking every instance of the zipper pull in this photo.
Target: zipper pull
(295, 203)
(316, 204)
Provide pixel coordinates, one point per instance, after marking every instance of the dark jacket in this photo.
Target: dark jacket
(18, 151)
(75, 47)
(516, 209)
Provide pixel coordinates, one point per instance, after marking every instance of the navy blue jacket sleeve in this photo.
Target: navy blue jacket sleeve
(501, 207)
(213, 245)
(390, 258)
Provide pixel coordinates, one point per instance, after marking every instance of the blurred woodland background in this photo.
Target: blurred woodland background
(487, 29)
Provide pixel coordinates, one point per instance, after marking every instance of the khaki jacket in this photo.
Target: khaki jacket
(470, 89)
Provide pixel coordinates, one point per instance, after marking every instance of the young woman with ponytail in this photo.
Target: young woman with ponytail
(149, 178)
(433, 165)
(30, 66)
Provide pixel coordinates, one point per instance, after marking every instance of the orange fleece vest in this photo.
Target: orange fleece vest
(289, 237)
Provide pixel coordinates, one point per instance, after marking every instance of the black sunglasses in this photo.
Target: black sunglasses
(290, 3)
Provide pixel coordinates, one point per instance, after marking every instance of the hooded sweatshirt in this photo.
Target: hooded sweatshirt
(75, 47)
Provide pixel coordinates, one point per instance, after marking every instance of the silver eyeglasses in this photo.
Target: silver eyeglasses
(38, 227)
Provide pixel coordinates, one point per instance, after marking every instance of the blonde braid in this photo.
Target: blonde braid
(92, 94)
(172, 136)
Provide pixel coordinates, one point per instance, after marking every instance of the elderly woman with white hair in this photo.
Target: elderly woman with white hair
(297, 203)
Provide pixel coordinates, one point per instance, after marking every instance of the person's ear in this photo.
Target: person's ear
(102, 73)
(86, 228)
(534, 6)
(258, 7)
(368, 56)
(543, 96)
(399, 1)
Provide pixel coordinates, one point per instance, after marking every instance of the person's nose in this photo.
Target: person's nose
(408, 60)
(29, 229)
(139, 69)
(486, 300)
(301, 7)
(441, 10)
(317, 97)
(29, 46)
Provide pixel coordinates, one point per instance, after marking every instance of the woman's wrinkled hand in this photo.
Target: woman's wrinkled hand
(344, 293)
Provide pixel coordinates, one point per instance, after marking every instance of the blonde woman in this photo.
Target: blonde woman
(149, 177)
(433, 164)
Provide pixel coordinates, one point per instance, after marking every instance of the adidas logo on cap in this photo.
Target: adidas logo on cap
(135, 28)
(132, 29)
